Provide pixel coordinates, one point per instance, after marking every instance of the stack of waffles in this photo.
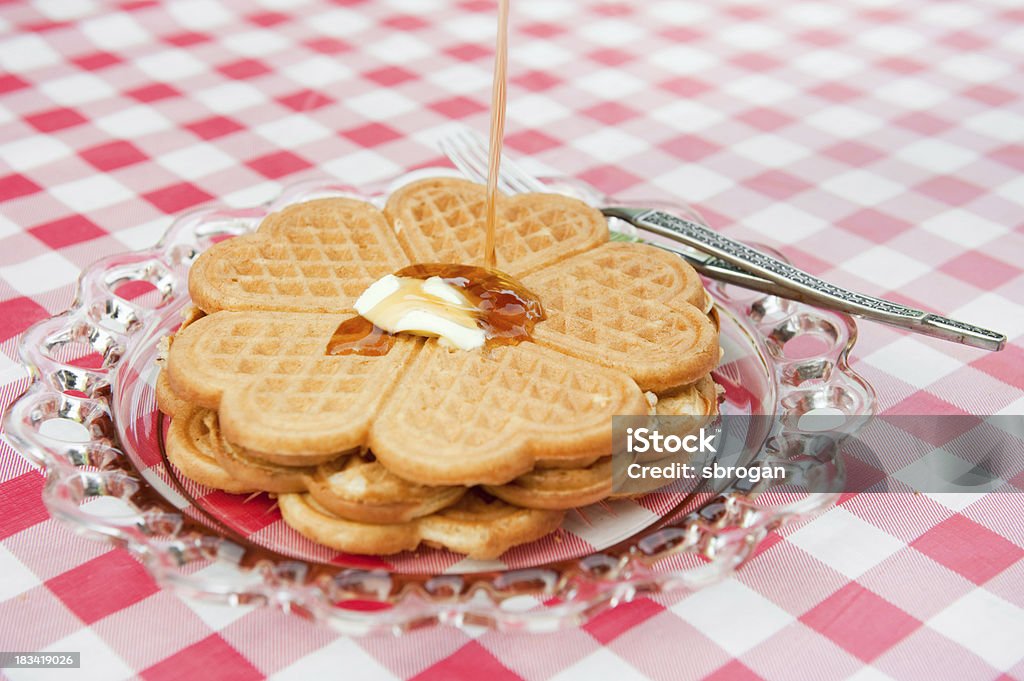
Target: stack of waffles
(475, 451)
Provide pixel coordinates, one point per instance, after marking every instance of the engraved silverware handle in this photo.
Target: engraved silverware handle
(731, 259)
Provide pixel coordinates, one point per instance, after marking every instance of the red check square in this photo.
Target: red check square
(982, 270)
(153, 93)
(213, 127)
(610, 113)
(862, 623)
(531, 142)
(536, 81)
(777, 184)
(471, 661)
(113, 155)
(467, 51)
(177, 197)
(55, 119)
(243, 69)
(610, 624)
(103, 585)
(457, 107)
(767, 120)
(1004, 365)
(690, 147)
(372, 134)
(15, 185)
(950, 190)
(610, 178)
(211, 658)
(873, 224)
(388, 76)
(305, 100)
(21, 497)
(734, 671)
(969, 549)
(10, 83)
(279, 164)
(67, 231)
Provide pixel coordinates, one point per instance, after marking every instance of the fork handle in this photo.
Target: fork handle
(804, 286)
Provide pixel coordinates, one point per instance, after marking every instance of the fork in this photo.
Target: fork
(719, 257)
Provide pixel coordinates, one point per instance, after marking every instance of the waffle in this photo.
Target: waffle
(356, 488)
(629, 307)
(531, 422)
(189, 447)
(464, 418)
(480, 528)
(299, 260)
(274, 388)
(558, 488)
(442, 220)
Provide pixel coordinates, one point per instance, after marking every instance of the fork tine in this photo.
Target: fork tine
(451, 149)
(518, 179)
(510, 177)
(476, 149)
(468, 151)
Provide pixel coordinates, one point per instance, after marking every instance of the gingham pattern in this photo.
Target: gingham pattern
(878, 145)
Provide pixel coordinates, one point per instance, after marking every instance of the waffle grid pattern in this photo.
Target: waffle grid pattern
(437, 224)
(301, 261)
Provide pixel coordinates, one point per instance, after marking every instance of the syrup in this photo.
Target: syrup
(504, 308)
(497, 131)
(358, 336)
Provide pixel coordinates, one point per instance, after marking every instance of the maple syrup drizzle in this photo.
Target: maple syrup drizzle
(359, 336)
(497, 131)
(504, 309)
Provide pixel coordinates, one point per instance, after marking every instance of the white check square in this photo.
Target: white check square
(784, 223)
(863, 188)
(713, 611)
(92, 193)
(845, 542)
(324, 664)
(913, 361)
(196, 161)
(985, 624)
(42, 273)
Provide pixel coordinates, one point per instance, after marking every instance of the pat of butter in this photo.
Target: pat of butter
(432, 308)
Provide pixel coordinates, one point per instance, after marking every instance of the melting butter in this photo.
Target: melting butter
(425, 307)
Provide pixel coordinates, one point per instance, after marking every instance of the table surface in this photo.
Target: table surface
(879, 145)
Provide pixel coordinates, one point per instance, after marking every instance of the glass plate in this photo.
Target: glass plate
(90, 419)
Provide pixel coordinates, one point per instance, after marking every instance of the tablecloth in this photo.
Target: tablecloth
(877, 144)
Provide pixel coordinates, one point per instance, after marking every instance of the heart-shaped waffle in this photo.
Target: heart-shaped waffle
(478, 527)
(429, 414)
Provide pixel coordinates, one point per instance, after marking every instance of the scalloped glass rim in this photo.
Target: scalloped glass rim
(83, 461)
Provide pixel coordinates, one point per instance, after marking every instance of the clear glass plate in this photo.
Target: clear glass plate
(90, 419)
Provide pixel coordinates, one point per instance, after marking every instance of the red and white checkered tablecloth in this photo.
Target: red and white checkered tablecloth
(880, 145)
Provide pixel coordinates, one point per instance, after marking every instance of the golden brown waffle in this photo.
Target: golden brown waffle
(558, 488)
(464, 418)
(274, 388)
(532, 420)
(699, 399)
(481, 529)
(628, 307)
(189, 446)
(358, 489)
(167, 400)
(351, 487)
(442, 220)
(317, 256)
